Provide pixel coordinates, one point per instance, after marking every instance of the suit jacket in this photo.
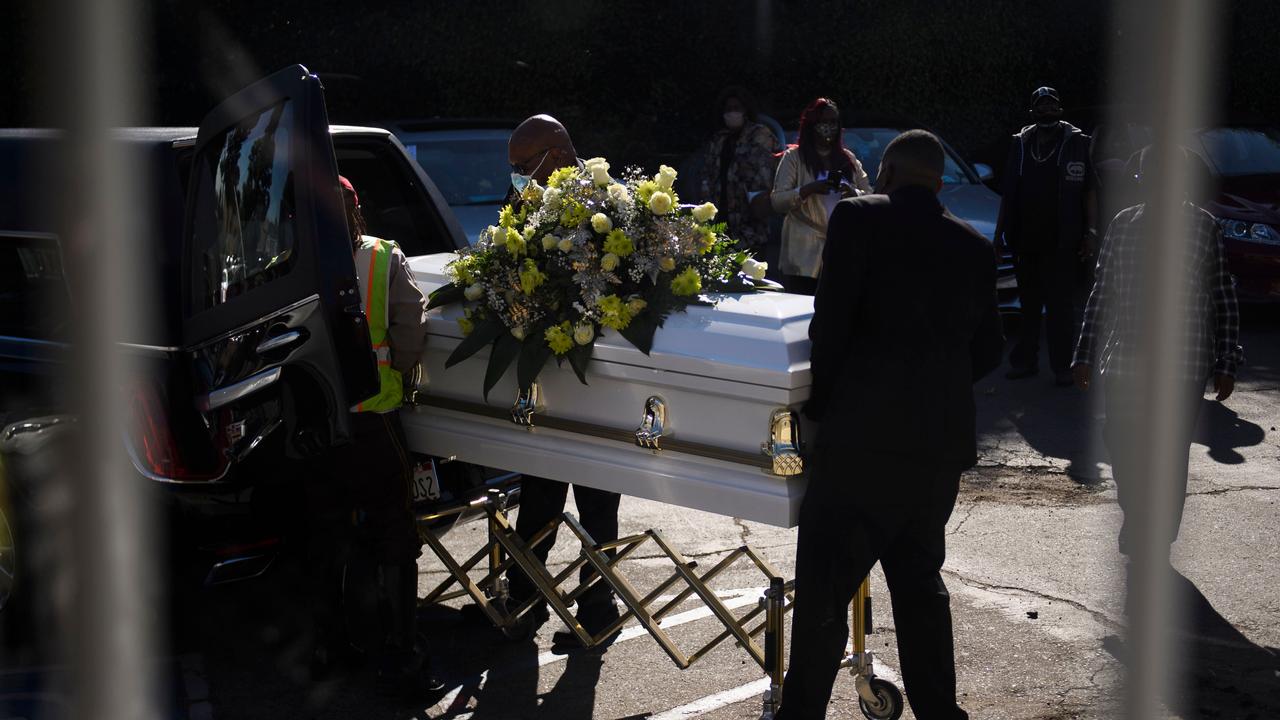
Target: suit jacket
(905, 321)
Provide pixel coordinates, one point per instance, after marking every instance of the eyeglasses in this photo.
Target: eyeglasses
(519, 168)
(826, 128)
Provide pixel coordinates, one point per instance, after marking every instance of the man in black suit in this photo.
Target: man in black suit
(905, 321)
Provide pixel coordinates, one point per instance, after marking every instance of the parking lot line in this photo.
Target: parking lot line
(705, 705)
(733, 599)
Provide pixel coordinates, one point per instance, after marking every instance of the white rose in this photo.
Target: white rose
(600, 175)
(667, 264)
(518, 332)
(583, 333)
(565, 245)
(596, 162)
(609, 262)
(755, 269)
(601, 223)
(551, 197)
(660, 203)
(493, 235)
(666, 176)
(549, 241)
(619, 195)
(473, 292)
(704, 212)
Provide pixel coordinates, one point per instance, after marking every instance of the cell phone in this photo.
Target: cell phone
(835, 178)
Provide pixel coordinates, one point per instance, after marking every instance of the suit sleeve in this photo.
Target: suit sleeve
(987, 348)
(835, 304)
(407, 315)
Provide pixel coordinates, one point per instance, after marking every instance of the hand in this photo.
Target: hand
(848, 190)
(1225, 385)
(1082, 373)
(817, 187)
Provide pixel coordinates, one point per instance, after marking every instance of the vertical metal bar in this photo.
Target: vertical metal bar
(1163, 62)
(114, 637)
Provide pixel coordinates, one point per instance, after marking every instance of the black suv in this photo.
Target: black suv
(260, 346)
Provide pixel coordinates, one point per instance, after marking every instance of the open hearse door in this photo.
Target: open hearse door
(273, 320)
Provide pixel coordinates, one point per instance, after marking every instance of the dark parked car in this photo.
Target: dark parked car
(260, 346)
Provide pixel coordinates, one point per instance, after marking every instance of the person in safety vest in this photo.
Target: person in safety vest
(368, 480)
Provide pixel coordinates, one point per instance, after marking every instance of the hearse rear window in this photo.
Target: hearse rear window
(245, 226)
(33, 291)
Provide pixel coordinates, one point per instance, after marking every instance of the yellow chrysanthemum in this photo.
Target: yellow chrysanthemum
(688, 282)
(559, 338)
(507, 217)
(514, 242)
(530, 277)
(561, 176)
(618, 243)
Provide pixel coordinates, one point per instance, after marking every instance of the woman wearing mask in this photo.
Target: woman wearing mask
(812, 176)
(737, 167)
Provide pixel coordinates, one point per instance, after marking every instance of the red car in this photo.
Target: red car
(1245, 160)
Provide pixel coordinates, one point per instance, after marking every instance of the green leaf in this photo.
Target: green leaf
(640, 332)
(481, 335)
(533, 355)
(445, 295)
(505, 350)
(579, 358)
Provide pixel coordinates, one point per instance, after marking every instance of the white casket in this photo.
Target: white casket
(705, 421)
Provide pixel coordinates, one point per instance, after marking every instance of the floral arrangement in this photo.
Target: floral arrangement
(584, 253)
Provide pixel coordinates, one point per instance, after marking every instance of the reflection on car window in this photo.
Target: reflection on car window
(869, 144)
(244, 217)
(1242, 151)
(33, 294)
(468, 172)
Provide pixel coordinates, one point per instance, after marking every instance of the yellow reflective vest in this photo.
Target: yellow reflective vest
(373, 268)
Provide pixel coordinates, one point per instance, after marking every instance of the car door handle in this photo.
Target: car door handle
(276, 342)
(231, 393)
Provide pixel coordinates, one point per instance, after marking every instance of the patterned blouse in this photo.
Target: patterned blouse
(750, 170)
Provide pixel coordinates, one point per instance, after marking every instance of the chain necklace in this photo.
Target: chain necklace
(1037, 144)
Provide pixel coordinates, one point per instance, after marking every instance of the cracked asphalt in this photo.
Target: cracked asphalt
(1032, 567)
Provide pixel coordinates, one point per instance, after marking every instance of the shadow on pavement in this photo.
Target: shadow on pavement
(1226, 675)
(1055, 422)
(1222, 430)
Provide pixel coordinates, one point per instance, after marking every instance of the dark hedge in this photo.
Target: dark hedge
(637, 81)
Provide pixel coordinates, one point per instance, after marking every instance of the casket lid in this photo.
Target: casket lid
(758, 338)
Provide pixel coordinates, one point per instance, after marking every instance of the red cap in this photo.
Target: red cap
(346, 185)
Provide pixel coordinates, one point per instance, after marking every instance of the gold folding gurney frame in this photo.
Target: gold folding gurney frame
(505, 549)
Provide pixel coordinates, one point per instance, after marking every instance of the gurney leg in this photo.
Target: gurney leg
(879, 699)
(775, 600)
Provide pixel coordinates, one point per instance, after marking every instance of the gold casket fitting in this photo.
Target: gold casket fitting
(528, 401)
(784, 443)
(653, 424)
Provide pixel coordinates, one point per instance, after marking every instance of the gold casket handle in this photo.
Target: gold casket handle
(528, 401)
(784, 443)
(653, 424)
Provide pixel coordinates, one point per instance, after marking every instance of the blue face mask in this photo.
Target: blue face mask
(520, 182)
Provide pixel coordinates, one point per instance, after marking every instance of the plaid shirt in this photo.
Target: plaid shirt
(1211, 330)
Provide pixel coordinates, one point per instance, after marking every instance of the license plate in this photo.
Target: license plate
(425, 485)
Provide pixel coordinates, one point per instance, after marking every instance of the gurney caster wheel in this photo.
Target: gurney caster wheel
(888, 701)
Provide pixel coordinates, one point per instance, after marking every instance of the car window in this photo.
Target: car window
(33, 290)
(1242, 151)
(393, 203)
(467, 171)
(869, 144)
(244, 224)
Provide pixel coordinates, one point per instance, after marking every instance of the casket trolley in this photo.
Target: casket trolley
(706, 420)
